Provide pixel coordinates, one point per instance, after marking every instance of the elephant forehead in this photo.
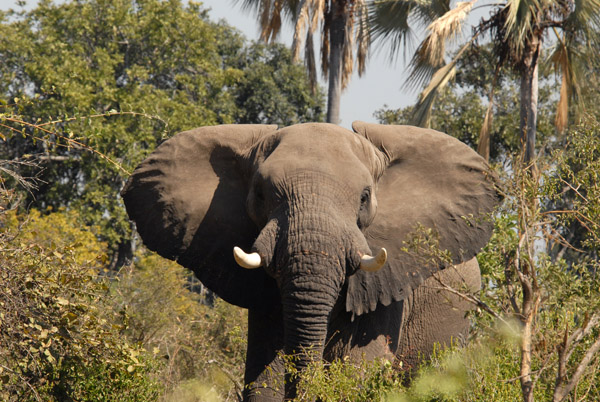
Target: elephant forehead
(320, 137)
(323, 148)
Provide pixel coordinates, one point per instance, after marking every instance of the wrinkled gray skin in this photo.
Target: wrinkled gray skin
(311, 199)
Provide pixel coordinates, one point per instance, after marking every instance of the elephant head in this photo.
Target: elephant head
(311, 203)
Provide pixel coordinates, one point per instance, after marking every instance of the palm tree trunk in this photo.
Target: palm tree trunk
(337, 37)
(529, 98)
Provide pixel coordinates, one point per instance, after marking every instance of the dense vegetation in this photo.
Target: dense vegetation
(88, 88)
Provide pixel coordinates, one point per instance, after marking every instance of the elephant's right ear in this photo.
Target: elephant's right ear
(432, 181)
(188, 200)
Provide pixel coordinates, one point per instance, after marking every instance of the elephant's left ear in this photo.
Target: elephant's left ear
(434, 187)
(188, 200)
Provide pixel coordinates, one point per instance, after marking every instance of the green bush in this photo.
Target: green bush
(59, 339)
(202, 347)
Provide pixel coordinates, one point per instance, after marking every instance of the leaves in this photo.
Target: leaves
(57, 336)
(100, 83)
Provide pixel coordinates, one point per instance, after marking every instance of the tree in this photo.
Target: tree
(517, 29)
(90, 87)
(344, 27)
(60, 339)
(274, 90)
(459, 107)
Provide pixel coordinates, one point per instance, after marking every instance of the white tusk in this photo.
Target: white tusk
(373, 264)
(248, 261)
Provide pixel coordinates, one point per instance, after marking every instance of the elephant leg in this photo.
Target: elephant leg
(436, 316)
(264, 376)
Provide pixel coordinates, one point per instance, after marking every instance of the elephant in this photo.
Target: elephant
(310, 227)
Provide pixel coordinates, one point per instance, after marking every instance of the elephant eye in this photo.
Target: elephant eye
(365, 196)
(365, 212)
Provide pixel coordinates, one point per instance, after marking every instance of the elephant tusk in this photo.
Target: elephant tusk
(248, 261)
(373, 264)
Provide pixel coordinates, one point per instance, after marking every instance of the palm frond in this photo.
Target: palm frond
(309, 61)
(389, 22)
(270, 21)
(300, 28)
(522, 17)
(429, 56)
(347, 56)
(432, 49)
(307, 14)
(325, 41)
(560, 59)
(318, 9)
(422, 113)
(562, 109)
(483, 146)
(363, 38)
(584, 22)
(250, 5)
(269, 13)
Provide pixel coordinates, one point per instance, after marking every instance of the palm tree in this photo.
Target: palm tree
(518, 29)
(343, 31)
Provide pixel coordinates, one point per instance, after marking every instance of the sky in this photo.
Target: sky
(381, 85)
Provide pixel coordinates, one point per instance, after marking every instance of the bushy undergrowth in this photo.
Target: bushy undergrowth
(60, 341)
(203, 346)
(73, 332)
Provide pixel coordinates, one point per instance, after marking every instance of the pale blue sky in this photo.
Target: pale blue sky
(381, 85)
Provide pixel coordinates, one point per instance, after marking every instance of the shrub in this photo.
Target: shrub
(203, 347)
(59, 341)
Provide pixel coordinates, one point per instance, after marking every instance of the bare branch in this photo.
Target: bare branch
(562, 391)
(471, 299)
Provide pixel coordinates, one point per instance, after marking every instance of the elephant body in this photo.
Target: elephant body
(312, 202)
(404, 332)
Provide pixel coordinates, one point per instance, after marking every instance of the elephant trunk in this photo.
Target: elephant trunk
(309, 262)
(307, 303)
(315, 273)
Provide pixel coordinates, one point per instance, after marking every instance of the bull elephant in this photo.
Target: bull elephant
(324, 215)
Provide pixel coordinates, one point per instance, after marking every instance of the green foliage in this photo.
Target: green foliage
(59, 339)
(196, 341)
(89, 88)
(574, 188)
(69, 331)
(554, 299)
(344, 380)
(59, 229)
(274, 90)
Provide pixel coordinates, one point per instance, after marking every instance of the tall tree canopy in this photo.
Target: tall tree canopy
(517, 29)
(146, 69)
